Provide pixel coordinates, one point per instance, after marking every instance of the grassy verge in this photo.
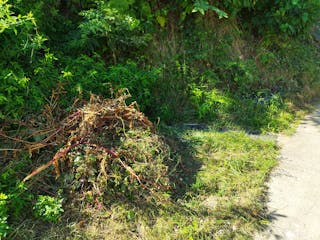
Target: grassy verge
(218, 193)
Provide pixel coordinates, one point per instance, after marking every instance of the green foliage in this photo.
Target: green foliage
(9, 21)
(209, 103)
(84, 39)
(15, 200)
(82, 76)
(48, 208)
(289, 17)
(12, 89)
(19, 41)
(18, 35)
(235, 6)
(110, 31)
(202, 6)
(241, 77)
(121, 5)
(4, 227)
(140, 83)
(263, 112)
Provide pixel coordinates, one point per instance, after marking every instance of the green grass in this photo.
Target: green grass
(218, 193)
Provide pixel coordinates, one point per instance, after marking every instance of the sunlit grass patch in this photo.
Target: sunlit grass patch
(230, 184)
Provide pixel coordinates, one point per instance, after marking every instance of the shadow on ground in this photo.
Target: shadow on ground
(183, 166)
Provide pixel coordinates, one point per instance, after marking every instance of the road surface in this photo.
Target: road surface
(294, 187)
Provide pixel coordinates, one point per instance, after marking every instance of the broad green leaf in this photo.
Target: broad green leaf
(201, 6)
(161, 20)
(305, 17)
(220, 13)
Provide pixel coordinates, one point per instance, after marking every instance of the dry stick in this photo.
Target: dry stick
(40, 132)
(14, 139)
(72, 117)
(131, 171)
(102, 168)
(10, 149)
(116, 155)
(43, 143)
(107, 150)
(61, 153)
(54, 160)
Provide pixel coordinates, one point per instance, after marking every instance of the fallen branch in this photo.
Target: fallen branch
(63, 152)
(130, 170)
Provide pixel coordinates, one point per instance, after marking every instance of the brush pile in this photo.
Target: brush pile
(110, 151)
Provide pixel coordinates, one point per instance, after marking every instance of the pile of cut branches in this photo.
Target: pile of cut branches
(109, 151)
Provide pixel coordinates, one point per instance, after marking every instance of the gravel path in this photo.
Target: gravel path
(294, 187)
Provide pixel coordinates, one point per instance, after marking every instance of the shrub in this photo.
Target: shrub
(48, 208)
(19, 42)
(209, 103)
(82, 76)
(291, 17)
(110, 31)
(140, 83)
(15, 200)
(12, 92)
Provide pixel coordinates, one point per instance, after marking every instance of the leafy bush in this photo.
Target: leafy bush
(240, 77)
(15, 200)
(48, 208)
(111, 31)
(291, 17)
(261, 111)
(140, 83)
(12, 91)
(209, 103)
(268, 113)
(82, 76)
(19, 41)
(202, 6)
